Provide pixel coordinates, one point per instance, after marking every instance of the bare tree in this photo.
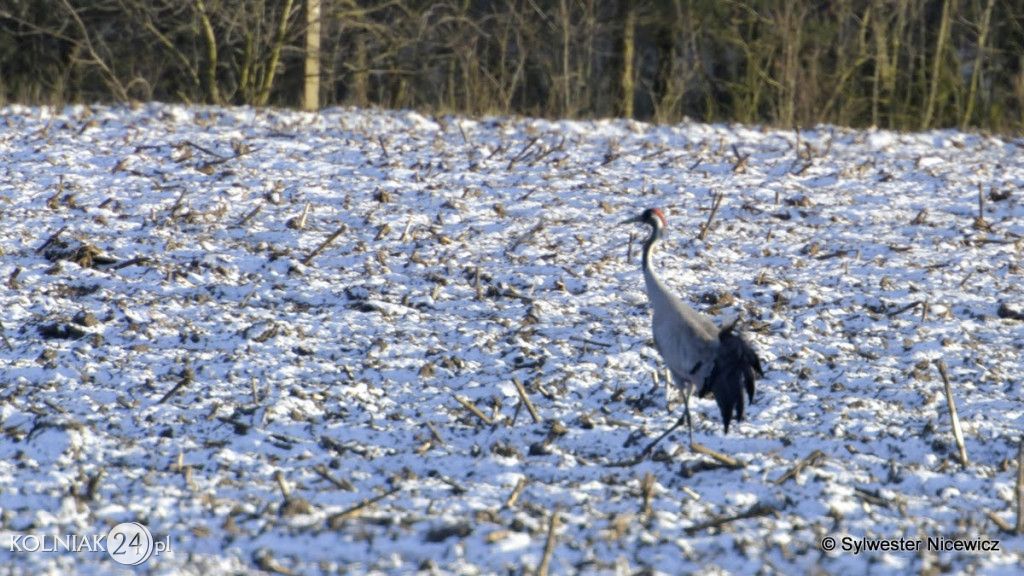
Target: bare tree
(311, 93)
(903, 64)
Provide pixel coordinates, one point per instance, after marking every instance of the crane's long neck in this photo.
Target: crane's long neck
(649, 277)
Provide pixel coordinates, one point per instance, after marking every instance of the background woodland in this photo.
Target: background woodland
(899, 64)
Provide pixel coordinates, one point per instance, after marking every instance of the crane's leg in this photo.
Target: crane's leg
(684, 419)
(686, 414)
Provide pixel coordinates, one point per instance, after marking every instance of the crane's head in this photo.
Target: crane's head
(652, 217)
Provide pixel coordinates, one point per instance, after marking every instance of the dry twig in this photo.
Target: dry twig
(549, 546)
(1020, 487)
(252, 214)
(957, 434)
(187, 377)
(335, 520)
(472, 408)
(324, 473)
(811, 460)
(516, 492)
(323, 245)
(715, 204)
(53, 238)
(726, 460)
(755, 511)
(526, 400)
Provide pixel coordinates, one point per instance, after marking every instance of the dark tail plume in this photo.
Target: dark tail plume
(737, 367)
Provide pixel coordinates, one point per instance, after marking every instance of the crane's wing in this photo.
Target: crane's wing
(736, 368)
(686, 339)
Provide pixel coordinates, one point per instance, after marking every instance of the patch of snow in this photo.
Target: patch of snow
(305, 328)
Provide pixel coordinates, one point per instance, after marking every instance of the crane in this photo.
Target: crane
(694, 349)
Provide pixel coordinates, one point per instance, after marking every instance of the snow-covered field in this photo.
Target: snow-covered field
(180, 347)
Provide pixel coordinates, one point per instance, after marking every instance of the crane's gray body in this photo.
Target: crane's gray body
(685, 338)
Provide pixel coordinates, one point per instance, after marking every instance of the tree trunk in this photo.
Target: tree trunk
(627, 82)
(979, 60)
(666, 93)
(210, 77)
(270, 71)
(940, 50)
(311, 94)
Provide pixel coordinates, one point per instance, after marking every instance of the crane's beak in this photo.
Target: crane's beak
(632, 220)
